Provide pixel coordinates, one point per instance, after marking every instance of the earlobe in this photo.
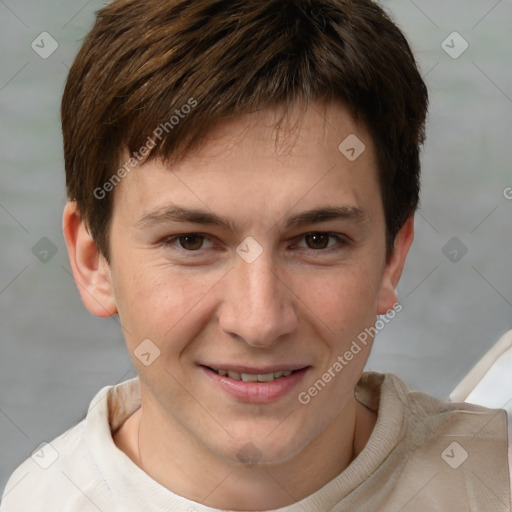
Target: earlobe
(393, 271)
(90, 270)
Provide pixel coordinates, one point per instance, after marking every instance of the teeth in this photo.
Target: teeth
(267, 377)
(249, 377)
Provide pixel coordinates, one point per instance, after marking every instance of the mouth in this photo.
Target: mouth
(252, 377)
(255, 385)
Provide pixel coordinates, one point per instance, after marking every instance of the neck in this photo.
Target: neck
(176, 460)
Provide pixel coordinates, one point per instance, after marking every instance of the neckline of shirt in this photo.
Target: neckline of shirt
(114, 404)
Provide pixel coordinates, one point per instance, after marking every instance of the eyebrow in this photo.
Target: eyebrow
(197, 216)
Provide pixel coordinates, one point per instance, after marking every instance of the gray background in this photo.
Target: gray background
(55, 356)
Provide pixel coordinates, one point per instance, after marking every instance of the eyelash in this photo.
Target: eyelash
(342, 241)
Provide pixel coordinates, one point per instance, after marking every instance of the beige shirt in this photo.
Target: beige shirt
(424, 455)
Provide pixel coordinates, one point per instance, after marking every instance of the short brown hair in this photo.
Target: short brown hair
(144, 60)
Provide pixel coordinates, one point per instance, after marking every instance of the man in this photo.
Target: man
(242, 180)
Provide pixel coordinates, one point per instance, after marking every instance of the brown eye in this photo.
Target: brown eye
(187, 243)
(191, 242)
(320, 242)
(317, 240)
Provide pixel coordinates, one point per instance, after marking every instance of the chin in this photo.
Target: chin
(266, 446)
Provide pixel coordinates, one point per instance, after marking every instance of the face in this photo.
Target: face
(252, 258)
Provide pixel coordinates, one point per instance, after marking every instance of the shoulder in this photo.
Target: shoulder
(426, 418)
(386, 388)
(59, 475)
(456, 449)
(62, 474)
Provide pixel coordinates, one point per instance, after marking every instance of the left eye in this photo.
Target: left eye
(321, 240)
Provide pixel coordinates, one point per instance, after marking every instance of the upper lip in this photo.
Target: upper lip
(256, 371)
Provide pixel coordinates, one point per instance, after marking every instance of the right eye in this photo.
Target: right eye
(189, 242)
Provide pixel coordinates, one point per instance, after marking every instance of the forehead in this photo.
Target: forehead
(267, 160)
(275, 133)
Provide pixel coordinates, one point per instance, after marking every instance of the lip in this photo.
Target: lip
(262, 370)
(256, 392)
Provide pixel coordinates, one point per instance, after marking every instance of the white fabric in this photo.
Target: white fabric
(91, 474)
(489, 383)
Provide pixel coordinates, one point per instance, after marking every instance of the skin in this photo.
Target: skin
(297, 303)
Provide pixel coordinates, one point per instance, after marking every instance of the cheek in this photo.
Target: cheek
(343, 297)
(162, 304)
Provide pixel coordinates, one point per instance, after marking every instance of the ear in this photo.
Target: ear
(392, 272)
(90, 269)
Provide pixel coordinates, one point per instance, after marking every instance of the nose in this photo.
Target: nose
(258, 306)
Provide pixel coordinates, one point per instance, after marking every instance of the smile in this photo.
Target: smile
(255, 385)
(251, 377)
